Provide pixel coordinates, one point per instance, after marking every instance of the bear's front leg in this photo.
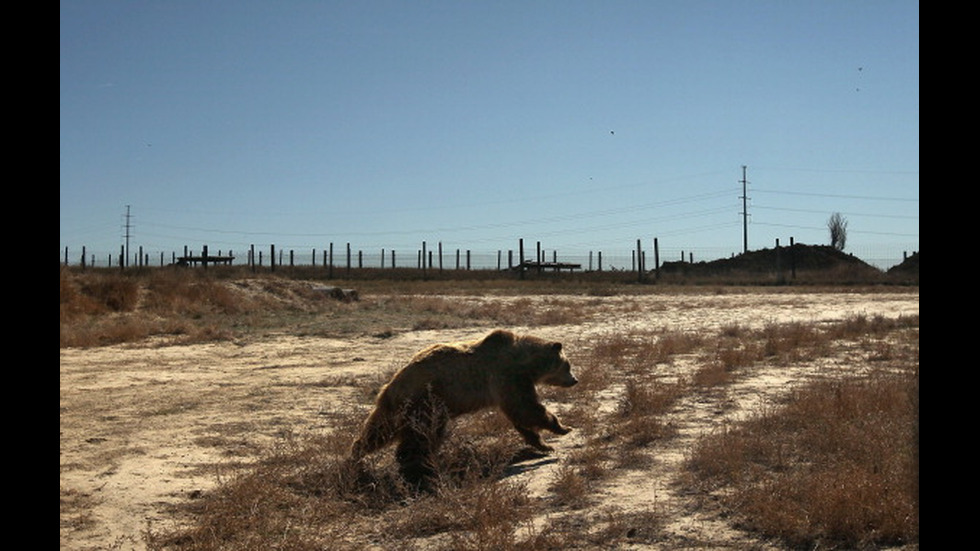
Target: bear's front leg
(533, 439)
(529, 417)
(555, 425)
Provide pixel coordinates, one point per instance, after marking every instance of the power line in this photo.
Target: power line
(837, 196)
(811, 211)
(866, 232)
(489, 226)
(838, 170)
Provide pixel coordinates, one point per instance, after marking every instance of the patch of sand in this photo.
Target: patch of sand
(144, 427)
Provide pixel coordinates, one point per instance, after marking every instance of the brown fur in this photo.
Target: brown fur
(447, 380)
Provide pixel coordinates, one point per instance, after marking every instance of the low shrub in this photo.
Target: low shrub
(836, 466)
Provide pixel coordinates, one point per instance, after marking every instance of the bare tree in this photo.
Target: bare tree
(837, 225)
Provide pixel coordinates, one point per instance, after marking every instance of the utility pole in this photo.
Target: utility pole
(745, 214)
(126, 263)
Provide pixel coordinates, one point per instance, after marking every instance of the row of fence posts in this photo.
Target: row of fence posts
(424, 260)
(143, 260)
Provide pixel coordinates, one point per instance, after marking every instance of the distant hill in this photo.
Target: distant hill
(802, 258)
(908, 267)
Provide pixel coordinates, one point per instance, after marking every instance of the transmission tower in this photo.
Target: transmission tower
(745, 213)
(127, 226)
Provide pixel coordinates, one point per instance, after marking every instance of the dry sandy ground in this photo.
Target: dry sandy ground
(145, 427)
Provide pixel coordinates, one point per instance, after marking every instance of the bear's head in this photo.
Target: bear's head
(558, 371)
(543, 360)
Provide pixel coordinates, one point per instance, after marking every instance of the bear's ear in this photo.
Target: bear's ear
(499, 337)
(556, 346)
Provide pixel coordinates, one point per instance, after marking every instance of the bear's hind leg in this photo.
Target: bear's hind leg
(415, 463)
(419, 440)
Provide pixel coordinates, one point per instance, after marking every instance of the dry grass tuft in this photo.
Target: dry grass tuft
(97, 294)
(639, 419)
(570, 488)
(75, 509)
(307, 495)
(836, 466)
(182, 292)
(642, 351)
(637, 527)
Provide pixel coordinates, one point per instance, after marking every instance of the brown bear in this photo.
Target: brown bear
(447, 380)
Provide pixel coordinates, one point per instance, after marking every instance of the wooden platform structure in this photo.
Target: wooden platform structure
(204, 260)
(542, 266)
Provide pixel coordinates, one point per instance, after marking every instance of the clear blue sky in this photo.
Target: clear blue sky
(584, 125)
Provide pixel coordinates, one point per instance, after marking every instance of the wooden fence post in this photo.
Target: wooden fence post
(656, 258)
(779, 267)
(639, 261)
(792, 258)
(520, 259)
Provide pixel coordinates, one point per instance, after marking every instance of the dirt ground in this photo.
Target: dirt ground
(144, 427)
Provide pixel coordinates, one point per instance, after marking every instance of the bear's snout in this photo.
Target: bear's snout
(565, 380)
(560, 379)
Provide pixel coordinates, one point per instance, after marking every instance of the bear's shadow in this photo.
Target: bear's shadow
(526, 460)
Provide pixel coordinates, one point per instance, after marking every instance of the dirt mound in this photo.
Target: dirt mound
(908, 267)
(810, 258)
